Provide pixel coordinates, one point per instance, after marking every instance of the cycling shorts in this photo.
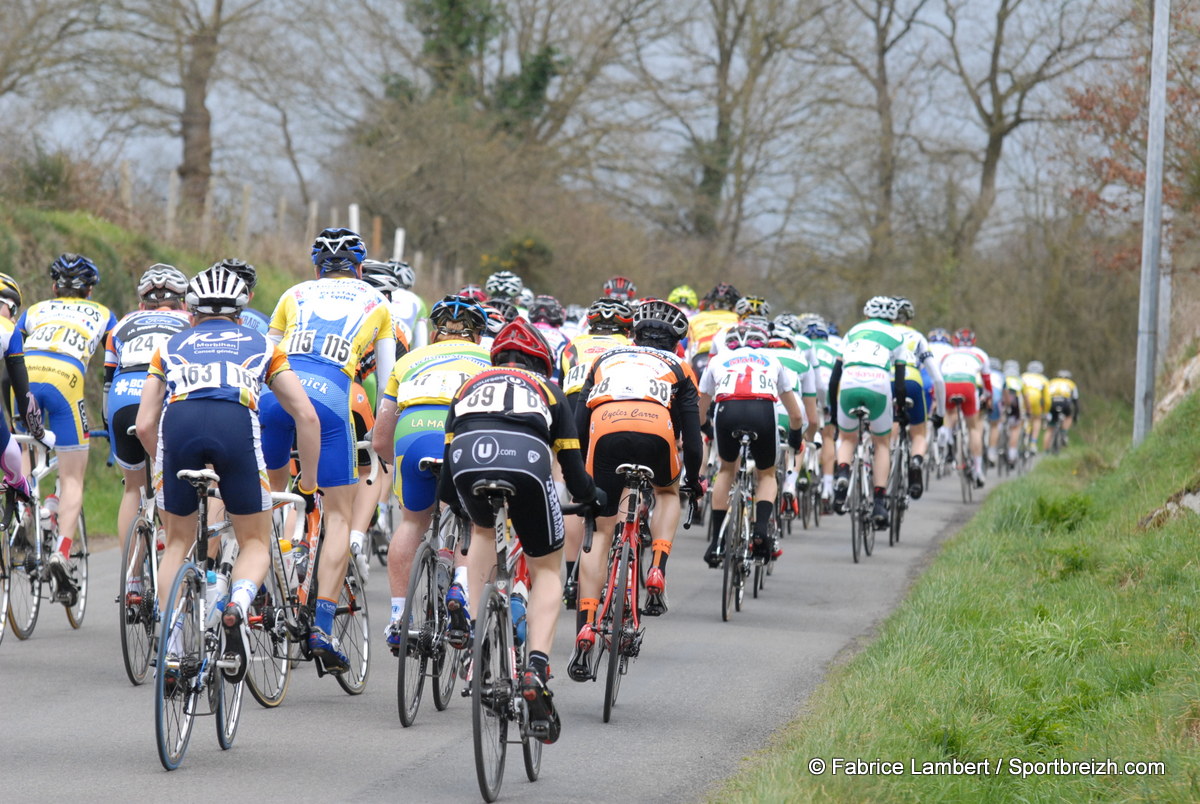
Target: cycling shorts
(1034, 403)
(364, 420)
(756, 415)
(994, 410)
(127, 449)
(330, 397)
(628, 418)
(616, 447)
(969, 393)
(222, 434)
(420, 433)
(523, 460)
(865, 387)
(58, 388)
(1060, 406)
(919, 410)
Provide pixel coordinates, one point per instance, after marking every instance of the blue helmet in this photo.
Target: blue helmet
(833, 329)
(74, 271)
(816, 331)
(338, 250)
(461, 309)
(939, 335)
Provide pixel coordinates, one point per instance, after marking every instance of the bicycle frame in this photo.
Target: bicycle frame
(635, 502)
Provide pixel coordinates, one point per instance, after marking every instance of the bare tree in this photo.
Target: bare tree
(41, 39)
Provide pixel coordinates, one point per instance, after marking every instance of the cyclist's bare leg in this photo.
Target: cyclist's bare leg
(722, 483)
(665, 518)
(405, 542)
(591, 566)
(766, 488)
(481, 566)
(366, 497)
(846, 445)
(335, 545)
(882, 461)
(131, 498)
(918, 434)
(180, 535)
(254, 553)
(71, 467)
(545, 600)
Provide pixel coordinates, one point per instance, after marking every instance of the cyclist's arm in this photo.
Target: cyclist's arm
(685, 408)
(939, 385)
(149, 413)
(583, 414)
(564, 441)
(835, 379)
(385, 429)
(899, 389)
(290, 393)
(796, 415)
(385, 358)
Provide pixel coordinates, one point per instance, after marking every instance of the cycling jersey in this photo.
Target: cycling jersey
(217, 359)
(330, 322)
(1061, 388)
(1034, 385)
(256, 320)
(556, 339)
(827, 356)
(796, 361)
(747, 373)
(580, 353)
(965, 370)
(928, 379)
(871, 350)
(60, 336)
(409, 312)
(704, 325)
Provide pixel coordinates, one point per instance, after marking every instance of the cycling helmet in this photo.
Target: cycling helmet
(162, 282)
(459, 309)
(217, 291)
(525, 298)
(1012, 368)
(244, 270)
(938, 335)
(10, 293)
(74, 271)
(760, 321)
(746, 334)
(752, 305)
(817, 331)
(1066, 375)
(994, 363)
(609, 315)
(781, 338)
(504, 285)
(683, 296)
(722, 297)
(963, 337)
(1035, 367)
(547, 310)
(905, 310)
(620, 287)
(473, 292)
(338, 250)
(833, 329)
(404, 273)
(790, 322)
(505, 307)
(575, 312)
(880, 307)
(380, 276)
(495, 320)
(658, 314)
(523, 337)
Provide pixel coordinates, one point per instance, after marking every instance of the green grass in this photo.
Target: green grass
(1051, 627)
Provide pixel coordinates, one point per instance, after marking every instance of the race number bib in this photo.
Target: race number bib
(868, 352)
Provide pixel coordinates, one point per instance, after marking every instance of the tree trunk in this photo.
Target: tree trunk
(195, 172)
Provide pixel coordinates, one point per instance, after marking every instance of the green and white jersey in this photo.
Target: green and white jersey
(875, 343)
(797, 361)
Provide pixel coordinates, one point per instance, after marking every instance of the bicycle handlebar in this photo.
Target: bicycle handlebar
(375, 462)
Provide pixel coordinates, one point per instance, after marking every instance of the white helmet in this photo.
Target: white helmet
(217, 291)
(503, 284)
(884, 307)
(1035, 367)
(162, 277)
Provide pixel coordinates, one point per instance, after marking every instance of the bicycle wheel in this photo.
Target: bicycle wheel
(351, 627)
(617, 628)
(854, 501)
(25, 580)
(78, 562)
(962, 462)
(420, 619)
(4, 586)
(446, 660)
(270, 669)
(729, 569)
(228, 708)
(175, 702)
(135, 600)
(491, 693)
(866, 519)
(531, 747)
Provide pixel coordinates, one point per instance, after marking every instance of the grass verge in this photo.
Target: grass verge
(1052, 627)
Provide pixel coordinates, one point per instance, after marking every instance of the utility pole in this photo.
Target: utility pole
(1147, 344)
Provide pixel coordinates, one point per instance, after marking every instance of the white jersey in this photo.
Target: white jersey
(746, 373)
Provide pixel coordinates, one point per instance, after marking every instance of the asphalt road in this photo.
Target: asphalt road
(703, 696)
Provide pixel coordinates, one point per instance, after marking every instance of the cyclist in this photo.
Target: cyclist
(965, 369)
(621, 288)
(504, 285)
(870, 374)
(325, 326)
(746, 380)
(28, 411)
(917, 385)
(685, 299)
(127, 353)
(507, 423)
(794, 351)
(410, 427)
(574, 320)
(1034, 382)
(211, 377)
(1062, 402)
(60, 336)
(473, 292)
(716, 313)
(1012, 400)
(637, 400)
(252, 318)
(547, 315)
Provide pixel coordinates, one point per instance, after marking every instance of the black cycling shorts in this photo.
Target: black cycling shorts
(612, 449)
(128, 449)
(522, 460)
(1061, 406)
(226, 435)
(756, 415)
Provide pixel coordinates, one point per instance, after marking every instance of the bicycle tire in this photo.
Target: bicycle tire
(728, 566)
(612, 677)
(270, 670)
(4, 586)
(351, 625)
(78, 561)
(174, 714)
(417, 643)
(962, 461)
(865, 512)
(446, 659)
(136, 614)
(531, 753)
(228, 708)
(25, 581)
(491, 693)
(854, 502)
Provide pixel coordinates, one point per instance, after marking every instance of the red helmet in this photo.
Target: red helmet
(521, 336)
(620, 287)
(473, 292)
(964, 337)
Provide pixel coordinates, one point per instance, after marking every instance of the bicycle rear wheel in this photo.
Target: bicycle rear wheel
(270, 669)
(4, 586)
(25, 580)
(78, 563)
(228, 709)
(962, 461)
(175, 696)
(616, 630)
(352, 627)
(531, 747)
(854, 501)
(491, 693)
(135, 600)
(865, 513)
(446, 660)
(419, 623)
(729, 569)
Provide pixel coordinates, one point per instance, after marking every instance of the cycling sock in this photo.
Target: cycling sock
(842, 470)
(789, 482)
(540, 664)
(880, 491)
(460, 577)
(826, 485)
(570, 568)
(397, 608)
(587, 609)
(243, 593)
(762, 517)
(326, 609)
(662, 549)
(718, 519)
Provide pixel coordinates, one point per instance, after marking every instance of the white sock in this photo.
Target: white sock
(397, 608)
(978, 463)
(460, 577)
(357, 540)
(243, 593)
